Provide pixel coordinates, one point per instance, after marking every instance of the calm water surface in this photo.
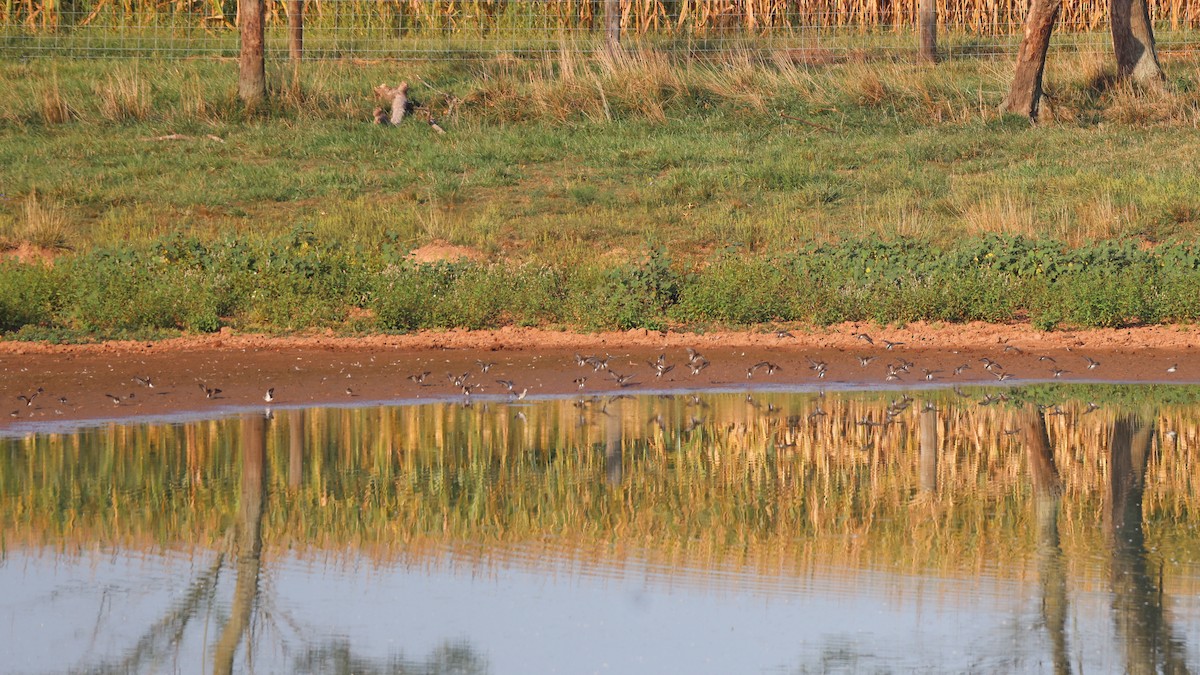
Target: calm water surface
(1050, 530)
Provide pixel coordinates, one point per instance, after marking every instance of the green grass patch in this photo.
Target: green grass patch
(640, 191)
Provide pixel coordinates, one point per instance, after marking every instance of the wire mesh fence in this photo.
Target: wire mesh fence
(436, 29)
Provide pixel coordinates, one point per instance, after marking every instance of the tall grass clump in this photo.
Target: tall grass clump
(43, 224)
(124, 95)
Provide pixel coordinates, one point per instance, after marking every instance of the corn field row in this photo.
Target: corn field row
(396, 26)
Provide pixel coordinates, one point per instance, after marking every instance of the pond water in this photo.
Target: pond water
(1034, 529)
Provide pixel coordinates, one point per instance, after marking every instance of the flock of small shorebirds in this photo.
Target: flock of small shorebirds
(696, 362)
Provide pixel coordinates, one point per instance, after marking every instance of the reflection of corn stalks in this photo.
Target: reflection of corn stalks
(688, 17)
(776, 481)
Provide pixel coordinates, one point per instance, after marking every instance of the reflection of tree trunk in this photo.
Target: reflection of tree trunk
(928, 458)
(1138, 607)
(249, 541)
(612, 447)
(295, 448)
(1047, 488)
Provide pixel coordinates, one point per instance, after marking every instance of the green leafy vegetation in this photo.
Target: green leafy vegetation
(299, 280)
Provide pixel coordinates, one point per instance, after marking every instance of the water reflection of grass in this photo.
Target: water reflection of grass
(718, 481)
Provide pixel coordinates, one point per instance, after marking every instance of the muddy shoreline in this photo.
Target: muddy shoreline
(101, 381)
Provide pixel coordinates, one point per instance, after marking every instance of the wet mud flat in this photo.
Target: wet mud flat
(224, 373)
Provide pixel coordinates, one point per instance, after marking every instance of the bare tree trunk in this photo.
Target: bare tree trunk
(296, 29)
(612, 24)
(1133, 41)
(927, 17)
(252, 74)
(1025, 95)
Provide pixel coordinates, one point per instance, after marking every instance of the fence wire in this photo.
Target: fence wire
(454, 29)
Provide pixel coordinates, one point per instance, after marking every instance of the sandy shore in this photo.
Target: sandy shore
(100, 381)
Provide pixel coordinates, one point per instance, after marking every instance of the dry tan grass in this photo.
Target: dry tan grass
(44, 224)
(53, 104)
(124, 95)
(1095, 220)
(1004, 213)
(701, 18)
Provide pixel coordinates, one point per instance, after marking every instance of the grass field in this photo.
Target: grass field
(596, 192)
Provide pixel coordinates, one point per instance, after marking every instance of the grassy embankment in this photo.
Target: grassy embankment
(595, 193)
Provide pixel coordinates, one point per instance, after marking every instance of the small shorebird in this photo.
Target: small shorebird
(1173, 368)
(888, 344)
(929, 374)
(209, 392)
(864, 361)
(864, 337)
(958, 370)
(1092, 407)
(1013, 348)
(270, 395)
(1059, 372)
(580, 381)
(144, 381)
(1092, 363)
(622, 380)
(783, 334)
(507, 384)
(484, 366)
(768, 366)
(699, 364)
(419, 378)
(693, 355)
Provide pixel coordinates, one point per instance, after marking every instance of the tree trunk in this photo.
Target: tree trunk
(296, 29)
(1026, 92)
(1133, 41)
(252, 74)
(927, 17)
(612, 24)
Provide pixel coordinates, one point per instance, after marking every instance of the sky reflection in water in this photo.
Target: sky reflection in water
(780, 533)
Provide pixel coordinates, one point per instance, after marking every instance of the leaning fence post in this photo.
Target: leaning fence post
(252, 76)
(612, 24)
(296, 29)
(927, 18)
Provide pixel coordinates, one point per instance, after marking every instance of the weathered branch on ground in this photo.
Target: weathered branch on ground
(184, 137)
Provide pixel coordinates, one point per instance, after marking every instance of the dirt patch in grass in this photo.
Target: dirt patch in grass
(79, 382)
(28, 253)
(441, 251)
